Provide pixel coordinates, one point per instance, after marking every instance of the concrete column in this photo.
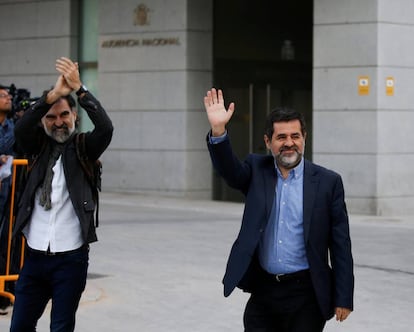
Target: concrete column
(31, 39)
(155, 64)
(364, 135)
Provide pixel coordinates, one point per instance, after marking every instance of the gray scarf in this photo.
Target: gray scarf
(46, 189)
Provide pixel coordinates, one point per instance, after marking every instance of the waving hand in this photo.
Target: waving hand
(217, 114)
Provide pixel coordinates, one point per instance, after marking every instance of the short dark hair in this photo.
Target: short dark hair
(72, 104)
(71, 101)
(283, 114)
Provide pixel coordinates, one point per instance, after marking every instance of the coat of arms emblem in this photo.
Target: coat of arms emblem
(141, 15)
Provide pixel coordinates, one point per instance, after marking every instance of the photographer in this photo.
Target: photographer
(20, 101)
(6, 141)
(6, 149)
(56, 209)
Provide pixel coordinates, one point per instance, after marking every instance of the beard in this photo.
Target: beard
(60, 134)
(289, 161)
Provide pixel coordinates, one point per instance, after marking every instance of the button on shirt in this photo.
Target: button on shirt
(282, 247)
(58, 227)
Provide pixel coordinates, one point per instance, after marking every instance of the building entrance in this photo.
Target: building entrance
(262, 60)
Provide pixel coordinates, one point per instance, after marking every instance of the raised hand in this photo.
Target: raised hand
(60, 89)
(217, 114)
(62, 86)
(70, 71)
(67, 81)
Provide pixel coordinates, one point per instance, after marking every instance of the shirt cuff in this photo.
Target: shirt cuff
(217, 139)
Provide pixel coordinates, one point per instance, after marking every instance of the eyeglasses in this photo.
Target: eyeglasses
(4, 95)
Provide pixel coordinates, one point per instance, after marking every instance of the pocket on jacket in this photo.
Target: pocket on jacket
(89, 206)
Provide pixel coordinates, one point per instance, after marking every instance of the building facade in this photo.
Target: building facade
(346, 65)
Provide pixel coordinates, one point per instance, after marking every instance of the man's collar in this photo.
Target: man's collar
(296, 171)
(4, 121)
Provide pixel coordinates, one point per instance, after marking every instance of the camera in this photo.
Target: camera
(21, 101)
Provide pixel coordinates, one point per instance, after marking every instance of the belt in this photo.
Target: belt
(291, 276)
(60, 253)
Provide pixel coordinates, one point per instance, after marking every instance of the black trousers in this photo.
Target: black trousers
(283, 306)
(61, 278)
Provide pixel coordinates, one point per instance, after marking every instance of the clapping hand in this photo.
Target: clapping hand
(68, 80)
(70, 72)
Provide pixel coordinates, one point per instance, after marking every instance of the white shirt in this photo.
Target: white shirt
(58, 227)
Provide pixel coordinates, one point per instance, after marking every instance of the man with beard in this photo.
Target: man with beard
(293, 251)
(56, 210)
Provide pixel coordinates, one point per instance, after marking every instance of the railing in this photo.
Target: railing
(7, 276)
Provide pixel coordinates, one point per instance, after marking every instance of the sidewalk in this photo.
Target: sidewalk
(159, 262)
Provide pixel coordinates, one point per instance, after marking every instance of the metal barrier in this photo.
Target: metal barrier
(7, 276)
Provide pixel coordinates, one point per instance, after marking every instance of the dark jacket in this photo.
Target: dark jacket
(36, 145)
(325, 223)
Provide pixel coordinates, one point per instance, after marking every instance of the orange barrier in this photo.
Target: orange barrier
(7, 276)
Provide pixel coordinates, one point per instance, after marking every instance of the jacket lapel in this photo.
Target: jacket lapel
(310, 187)
(269, 174)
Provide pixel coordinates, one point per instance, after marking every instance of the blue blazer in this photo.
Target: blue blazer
(325, 223)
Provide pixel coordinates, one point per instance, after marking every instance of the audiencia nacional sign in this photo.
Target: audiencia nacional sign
(141, 18)
(131, 42)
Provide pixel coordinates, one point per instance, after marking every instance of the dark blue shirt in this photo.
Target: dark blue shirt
(7, 137)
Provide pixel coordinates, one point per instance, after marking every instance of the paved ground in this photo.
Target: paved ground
(159, 263)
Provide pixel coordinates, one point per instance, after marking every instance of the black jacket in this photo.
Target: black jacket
(36, 144)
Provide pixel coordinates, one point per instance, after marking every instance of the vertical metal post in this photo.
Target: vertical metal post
(7, 276)
(16, 162)
(251, 103)
(268, 92)
(268, 106)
